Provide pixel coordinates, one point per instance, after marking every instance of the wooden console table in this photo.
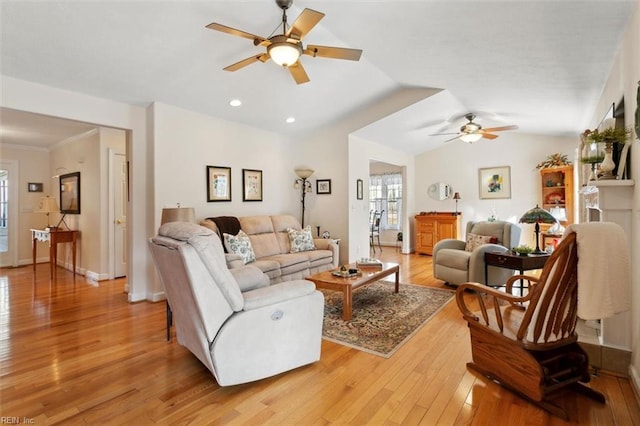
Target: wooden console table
(55, 237)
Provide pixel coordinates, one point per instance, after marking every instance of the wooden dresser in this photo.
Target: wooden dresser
(433, 227)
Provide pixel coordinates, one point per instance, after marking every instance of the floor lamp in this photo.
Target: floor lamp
(304, 185)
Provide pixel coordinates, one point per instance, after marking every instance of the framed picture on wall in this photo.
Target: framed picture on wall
(251, 185)
(34, 187)
(494, 182)
(218, 183)
(70, 193)
(323, 186)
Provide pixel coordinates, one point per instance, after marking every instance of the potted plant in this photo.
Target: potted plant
(522, 250)
(554, 160)
(593, 161)
(608, 136)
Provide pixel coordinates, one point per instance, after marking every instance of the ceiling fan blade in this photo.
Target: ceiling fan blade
(499, 129)
(452, 139)
(243, 63)
(304, 23)
(333, 52)
(298, 73)
(443, 134)
(488, 135)
(223, 28)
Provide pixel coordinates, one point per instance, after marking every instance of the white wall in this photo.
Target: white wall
(457, 164)
(623, 81)
(80, 154)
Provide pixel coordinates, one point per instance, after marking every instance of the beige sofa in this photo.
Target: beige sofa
(270, 242)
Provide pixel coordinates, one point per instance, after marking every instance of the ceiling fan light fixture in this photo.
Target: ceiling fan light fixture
(471, 137)
(283, 52)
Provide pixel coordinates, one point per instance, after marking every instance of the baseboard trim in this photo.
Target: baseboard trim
(634, 378)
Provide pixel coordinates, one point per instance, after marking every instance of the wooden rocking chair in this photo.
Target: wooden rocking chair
(529, 343)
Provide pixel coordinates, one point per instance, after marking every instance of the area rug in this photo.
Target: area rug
(382, 320)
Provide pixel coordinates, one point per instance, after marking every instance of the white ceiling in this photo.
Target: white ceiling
(538, 64)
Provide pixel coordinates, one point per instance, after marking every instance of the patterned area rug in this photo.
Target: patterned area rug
(382, 320)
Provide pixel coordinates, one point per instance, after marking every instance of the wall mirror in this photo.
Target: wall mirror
(70, 193)
(439, 191)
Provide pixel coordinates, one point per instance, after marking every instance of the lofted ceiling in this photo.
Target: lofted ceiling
(540, 65)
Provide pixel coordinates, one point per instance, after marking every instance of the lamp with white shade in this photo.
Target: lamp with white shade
(48, 205)
(560, 213)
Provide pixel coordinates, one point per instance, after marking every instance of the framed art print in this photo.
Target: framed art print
(494, 182)
(323, 186)
(251, 185)
(218, 183)
(34, 187)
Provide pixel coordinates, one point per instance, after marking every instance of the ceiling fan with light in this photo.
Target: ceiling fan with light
(471, 132)
(285, 49)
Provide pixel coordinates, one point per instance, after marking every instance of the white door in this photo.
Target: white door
(8, 213)
(120, 215)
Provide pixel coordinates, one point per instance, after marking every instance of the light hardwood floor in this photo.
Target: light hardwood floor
(78, 353)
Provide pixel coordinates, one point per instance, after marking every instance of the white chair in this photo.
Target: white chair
(241, 328)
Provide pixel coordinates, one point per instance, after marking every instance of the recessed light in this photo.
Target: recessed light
(290, 120)
(235, 102)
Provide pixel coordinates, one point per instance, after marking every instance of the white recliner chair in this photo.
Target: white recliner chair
(241, 328)
(457, 262)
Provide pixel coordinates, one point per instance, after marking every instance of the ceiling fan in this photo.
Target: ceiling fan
(285, 49)
(471, 132)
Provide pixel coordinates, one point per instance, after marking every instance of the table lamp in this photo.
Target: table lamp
(457, 197)
(560, 214)
(537, 215)
(48, 205)
(178, 214)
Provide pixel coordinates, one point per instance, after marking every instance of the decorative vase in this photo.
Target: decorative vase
(607, 164)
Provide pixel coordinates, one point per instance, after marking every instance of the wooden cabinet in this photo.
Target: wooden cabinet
(557, 190)
(433, 227)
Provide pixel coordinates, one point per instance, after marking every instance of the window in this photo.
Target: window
(385, 193)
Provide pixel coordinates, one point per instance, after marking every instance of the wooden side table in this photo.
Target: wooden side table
(513, 261)
(54, 237)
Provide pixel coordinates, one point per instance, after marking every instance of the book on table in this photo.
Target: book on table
(369, 262)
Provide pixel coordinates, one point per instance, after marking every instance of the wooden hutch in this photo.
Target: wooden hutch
(435, 226)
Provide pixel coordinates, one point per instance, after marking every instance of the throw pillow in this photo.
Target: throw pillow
(301, 240)
(240, 244)
(474, 241)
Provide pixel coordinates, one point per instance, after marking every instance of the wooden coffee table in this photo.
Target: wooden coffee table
(326, 280)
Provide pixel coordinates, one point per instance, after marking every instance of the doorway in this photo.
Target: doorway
(8, 213)
(386, 189)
